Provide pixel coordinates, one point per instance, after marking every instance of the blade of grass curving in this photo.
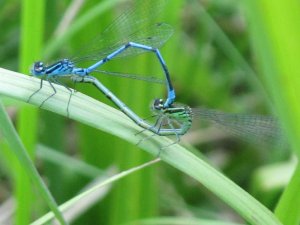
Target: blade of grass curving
(110, 120)
(30, 46)
(179, 221)
(287, 208)
(275, 30)
(76, 200)
(19, 150)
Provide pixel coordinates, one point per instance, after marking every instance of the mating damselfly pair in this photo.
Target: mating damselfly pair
(132, 34)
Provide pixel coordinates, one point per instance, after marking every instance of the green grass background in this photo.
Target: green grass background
(229, 55)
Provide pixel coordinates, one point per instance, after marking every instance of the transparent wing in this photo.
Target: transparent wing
(138, 15)
(135, 25)
(150, 79)
(252, 128)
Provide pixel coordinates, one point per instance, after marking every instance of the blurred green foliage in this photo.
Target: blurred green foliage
(211, 63)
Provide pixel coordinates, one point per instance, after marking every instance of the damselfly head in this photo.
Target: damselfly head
(38, 69)
(158, 104)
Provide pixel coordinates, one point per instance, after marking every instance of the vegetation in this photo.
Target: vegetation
(238, 57)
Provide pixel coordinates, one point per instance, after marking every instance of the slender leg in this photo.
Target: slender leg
(74, 87)
(149, 117)
(176, 134)
(145, 138)
(69, 101)
(49, 79)
(169, 123)
(173, 143)
(160, 126)
(69, 89)
(41, 85)
(156, 123)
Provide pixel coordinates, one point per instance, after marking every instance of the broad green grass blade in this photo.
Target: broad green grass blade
(100, 116)
(30, 46)
(19, 150)
(76, 200)
(275, 30)
(179, 221)
(287, 208)
(276, 40)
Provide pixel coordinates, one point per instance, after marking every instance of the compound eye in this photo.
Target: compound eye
(158, 103)
(39, 66)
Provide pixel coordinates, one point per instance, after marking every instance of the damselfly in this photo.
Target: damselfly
(130, 34)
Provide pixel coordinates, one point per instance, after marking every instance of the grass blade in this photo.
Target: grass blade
(27, 120)
(276, 37)
(19, 150)
(76, 200)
